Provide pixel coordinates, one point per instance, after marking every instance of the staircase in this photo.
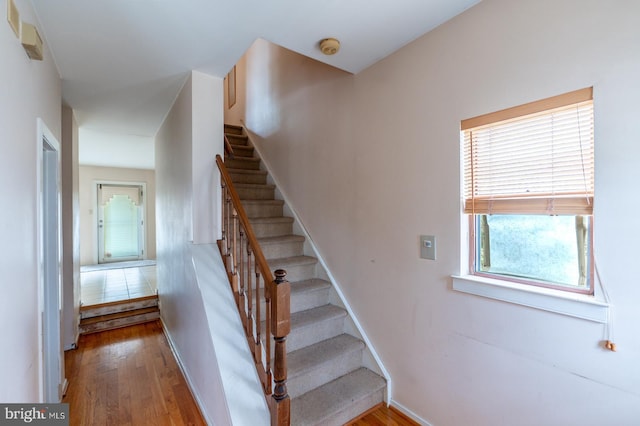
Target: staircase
(330, 377)
(107, 316)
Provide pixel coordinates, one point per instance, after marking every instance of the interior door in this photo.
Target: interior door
(120, 222)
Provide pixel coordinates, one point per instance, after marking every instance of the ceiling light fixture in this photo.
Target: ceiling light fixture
(329, 46)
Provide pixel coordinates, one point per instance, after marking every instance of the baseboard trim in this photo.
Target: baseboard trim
(407, 412)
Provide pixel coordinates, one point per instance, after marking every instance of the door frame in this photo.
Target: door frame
(96, 209)
(49, 265)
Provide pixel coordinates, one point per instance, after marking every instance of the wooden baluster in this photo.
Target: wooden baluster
(227, 218)
(234, 256)
(258, 342)
(243, 290)
(227, 230)
(281, 318)
(251, 319)
(222, 242)
(267, 315)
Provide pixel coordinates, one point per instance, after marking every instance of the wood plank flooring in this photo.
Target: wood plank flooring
(382, 415)
(128, 376)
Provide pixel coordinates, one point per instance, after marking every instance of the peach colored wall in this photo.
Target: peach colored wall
(89, 175)
(30, 90)
(372, 161)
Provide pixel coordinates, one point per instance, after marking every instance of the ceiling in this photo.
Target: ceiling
(122, 62)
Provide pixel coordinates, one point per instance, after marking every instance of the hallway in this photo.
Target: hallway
(128, 376)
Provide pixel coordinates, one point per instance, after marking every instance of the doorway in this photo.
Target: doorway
(121, 225)
(50, 260)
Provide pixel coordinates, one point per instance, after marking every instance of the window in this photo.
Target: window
(529, 191)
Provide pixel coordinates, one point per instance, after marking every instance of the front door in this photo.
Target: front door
(120, 222)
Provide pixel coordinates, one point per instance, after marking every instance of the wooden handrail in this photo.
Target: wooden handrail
(227, 147)
(244, 220)
(238, 247)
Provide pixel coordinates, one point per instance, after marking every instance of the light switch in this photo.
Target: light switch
(428, 247)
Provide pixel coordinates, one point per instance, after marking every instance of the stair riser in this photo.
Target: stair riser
(237, 139)
(248, 178)
(288, 249)
(354, 410)
(232, 130)
(266, 193)
(303, 301)
(324, 373)
(263, 210)
(242, 151)
(305, 336)
(308, 300)
(118, 323)
(240, 163)
(272, 229)
(116, 308)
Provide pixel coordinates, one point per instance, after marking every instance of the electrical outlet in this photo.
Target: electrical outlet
(428, 247)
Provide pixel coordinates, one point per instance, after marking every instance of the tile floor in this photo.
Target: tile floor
(113, 285)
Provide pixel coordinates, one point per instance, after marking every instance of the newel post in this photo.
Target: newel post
(280, 328)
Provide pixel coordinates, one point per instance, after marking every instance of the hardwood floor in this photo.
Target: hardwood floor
(382, 415)
(128, 376)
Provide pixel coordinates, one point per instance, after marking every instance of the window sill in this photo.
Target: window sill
(570, 304)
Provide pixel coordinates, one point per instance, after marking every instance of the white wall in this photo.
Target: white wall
(99, 148)
(368, 189)
(179, 179)
(207, 141)
(89, 175)
(70, 228)
(30, 89)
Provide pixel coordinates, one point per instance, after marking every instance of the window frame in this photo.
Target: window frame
(536, 107)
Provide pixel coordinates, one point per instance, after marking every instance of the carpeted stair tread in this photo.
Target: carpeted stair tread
(250, 163)
(262, 202)
(313, 356)
(272, 219)
(237, 139)
(253, 186)
(306, 294)
(338, 401)
(233, 129)
(282, 246)
(246, 171)
(288, 262)
(312, 316)
(313, 284)
(280, 239)
(242, 151)
(317, 364)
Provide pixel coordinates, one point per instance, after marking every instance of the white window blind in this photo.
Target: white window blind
(533, 159)
(107, 192)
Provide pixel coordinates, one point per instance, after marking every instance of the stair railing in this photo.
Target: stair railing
(228, 149)
(247, 269)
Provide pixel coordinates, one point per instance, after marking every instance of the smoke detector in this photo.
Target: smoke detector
(329, 46)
